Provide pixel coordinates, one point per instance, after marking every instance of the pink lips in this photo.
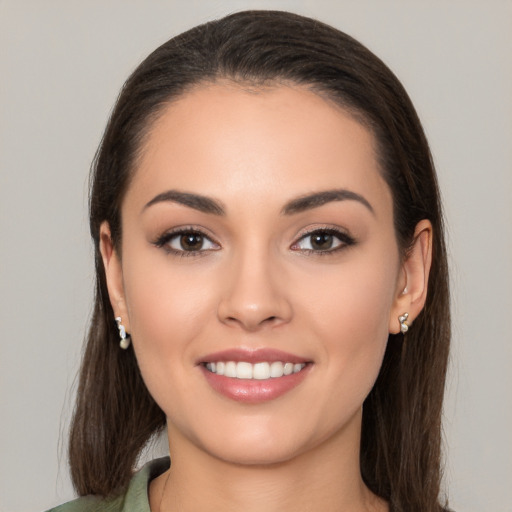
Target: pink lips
(253, 356)
(252, 391)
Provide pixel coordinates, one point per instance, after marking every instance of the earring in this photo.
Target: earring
(403, 326)
(125, 339)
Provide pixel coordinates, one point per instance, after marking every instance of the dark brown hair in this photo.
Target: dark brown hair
(401, 435)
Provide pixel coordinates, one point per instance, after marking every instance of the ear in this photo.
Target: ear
(412, 285)
(114, 275)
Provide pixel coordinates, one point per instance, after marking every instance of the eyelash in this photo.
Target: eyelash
(163, 242)
(344, 240)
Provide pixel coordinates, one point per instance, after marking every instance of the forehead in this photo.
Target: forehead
(225, 140)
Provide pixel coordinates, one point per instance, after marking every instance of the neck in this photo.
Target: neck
(326, 478)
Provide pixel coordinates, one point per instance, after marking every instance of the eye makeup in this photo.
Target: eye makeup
(186, 241)
(191, 241)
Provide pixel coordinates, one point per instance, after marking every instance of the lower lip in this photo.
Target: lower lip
(252, 391)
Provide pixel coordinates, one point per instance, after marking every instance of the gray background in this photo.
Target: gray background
(61, 66)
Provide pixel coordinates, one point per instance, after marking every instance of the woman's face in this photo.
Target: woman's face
(258, 231)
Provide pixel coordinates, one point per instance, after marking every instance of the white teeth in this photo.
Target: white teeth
(261, 371)
(276, 369)
(244, 370)
(288, 368)
(258, 371)
(230, 370)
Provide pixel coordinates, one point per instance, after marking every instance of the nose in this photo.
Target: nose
(254, 294)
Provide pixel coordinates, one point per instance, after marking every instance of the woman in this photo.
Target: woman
(271, 281)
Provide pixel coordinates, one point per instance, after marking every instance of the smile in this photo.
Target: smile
(254, 376)
(256, 371)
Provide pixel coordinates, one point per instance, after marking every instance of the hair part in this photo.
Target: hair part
(115, 416)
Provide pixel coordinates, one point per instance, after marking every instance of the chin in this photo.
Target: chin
(264, 447)
(249, 447)
(254, 456)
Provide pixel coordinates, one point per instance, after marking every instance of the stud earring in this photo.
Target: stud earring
(125, 339)
(403, 326)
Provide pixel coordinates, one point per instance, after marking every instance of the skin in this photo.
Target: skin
(258, 284)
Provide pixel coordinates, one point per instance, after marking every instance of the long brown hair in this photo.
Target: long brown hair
(401, 435)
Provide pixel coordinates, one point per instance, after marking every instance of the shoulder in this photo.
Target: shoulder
(134, 498)
(92, 504)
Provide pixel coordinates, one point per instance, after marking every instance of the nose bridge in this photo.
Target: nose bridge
(253, 292)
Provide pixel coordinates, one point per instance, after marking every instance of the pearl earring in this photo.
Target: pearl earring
(125, 339)
(403, 326)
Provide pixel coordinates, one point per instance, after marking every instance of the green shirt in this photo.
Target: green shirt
(135, 499)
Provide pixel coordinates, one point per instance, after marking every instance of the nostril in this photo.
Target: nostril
(253, 323)
(254, 314)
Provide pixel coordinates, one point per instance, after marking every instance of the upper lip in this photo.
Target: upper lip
(259, 355)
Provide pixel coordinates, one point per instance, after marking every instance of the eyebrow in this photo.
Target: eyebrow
(208, 205)
(317, 199)
(202, 203)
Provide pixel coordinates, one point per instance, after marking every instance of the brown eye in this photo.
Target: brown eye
(187, 242)
(322, 241)
(191, 241)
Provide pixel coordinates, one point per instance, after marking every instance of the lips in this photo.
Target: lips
(254, 376)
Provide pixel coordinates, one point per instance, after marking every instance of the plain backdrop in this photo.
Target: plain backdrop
(61, 66)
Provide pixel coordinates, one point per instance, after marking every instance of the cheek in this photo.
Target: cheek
(357, 298)
(350, 313)
(166, 308)
(162, 298)
(166, 311)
